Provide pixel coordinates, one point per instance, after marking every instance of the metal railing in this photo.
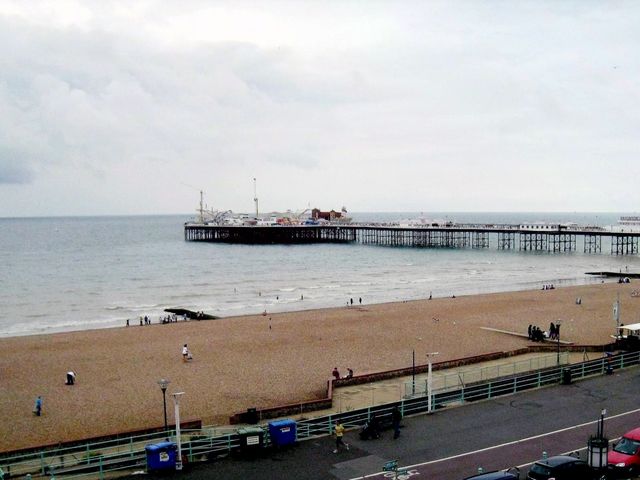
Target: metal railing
(99, 459)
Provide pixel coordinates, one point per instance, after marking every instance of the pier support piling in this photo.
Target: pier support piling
(592, 243)
(624, 245)
(506, 240)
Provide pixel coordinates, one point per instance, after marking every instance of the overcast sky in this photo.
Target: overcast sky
(121, 107)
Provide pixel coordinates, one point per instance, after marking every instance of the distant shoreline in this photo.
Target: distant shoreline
(589, 280)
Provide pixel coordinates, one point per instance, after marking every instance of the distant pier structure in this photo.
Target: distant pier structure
(537, 238)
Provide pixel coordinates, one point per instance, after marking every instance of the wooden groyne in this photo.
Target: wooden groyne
(503, 237)
(619, 274)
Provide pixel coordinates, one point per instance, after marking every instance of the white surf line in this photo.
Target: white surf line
(515, 442)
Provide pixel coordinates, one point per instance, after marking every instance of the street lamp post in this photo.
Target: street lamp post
(164, 383)
(598, 447)
(176, 401)
(413, 369)
(430, 381)
(413, 373)
(558, 341)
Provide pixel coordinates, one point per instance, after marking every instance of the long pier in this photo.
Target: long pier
(503, 237)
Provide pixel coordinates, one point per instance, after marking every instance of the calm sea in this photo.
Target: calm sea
(61, 274)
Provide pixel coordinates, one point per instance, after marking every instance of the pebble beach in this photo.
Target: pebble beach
(266, 360)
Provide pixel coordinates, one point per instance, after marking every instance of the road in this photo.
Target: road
(452, 443)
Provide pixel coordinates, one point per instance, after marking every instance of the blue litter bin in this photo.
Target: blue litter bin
(282, 432)
(161, 456)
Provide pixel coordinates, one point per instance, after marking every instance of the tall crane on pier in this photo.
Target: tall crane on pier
(255, 196)
(201, 208)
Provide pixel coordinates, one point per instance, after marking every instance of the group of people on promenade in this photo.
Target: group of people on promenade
(336, 373)
(536, 334)
(370, 430)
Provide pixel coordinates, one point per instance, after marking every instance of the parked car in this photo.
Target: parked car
(509, 474)
(624, 458)
(564, 467)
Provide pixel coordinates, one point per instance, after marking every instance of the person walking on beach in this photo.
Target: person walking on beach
(396, 416)
(339, 432)
(185, 353)
(71, 378)
(37, 408)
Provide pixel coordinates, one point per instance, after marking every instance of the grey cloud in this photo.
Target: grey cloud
(94, 100)
(473, 93)
(14, 169)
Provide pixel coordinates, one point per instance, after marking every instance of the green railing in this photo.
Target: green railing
(97, 458)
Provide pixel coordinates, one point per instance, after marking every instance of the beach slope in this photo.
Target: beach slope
(261, 361)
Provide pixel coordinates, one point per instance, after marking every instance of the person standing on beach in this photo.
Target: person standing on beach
(37, 408)
(185, 353)
(339, 432)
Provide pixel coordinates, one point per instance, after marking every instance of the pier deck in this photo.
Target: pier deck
(504, 237)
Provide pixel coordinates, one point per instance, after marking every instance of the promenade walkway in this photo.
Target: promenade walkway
(452, 443)
(366, 395)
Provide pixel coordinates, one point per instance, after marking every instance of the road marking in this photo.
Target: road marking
(515, 442)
